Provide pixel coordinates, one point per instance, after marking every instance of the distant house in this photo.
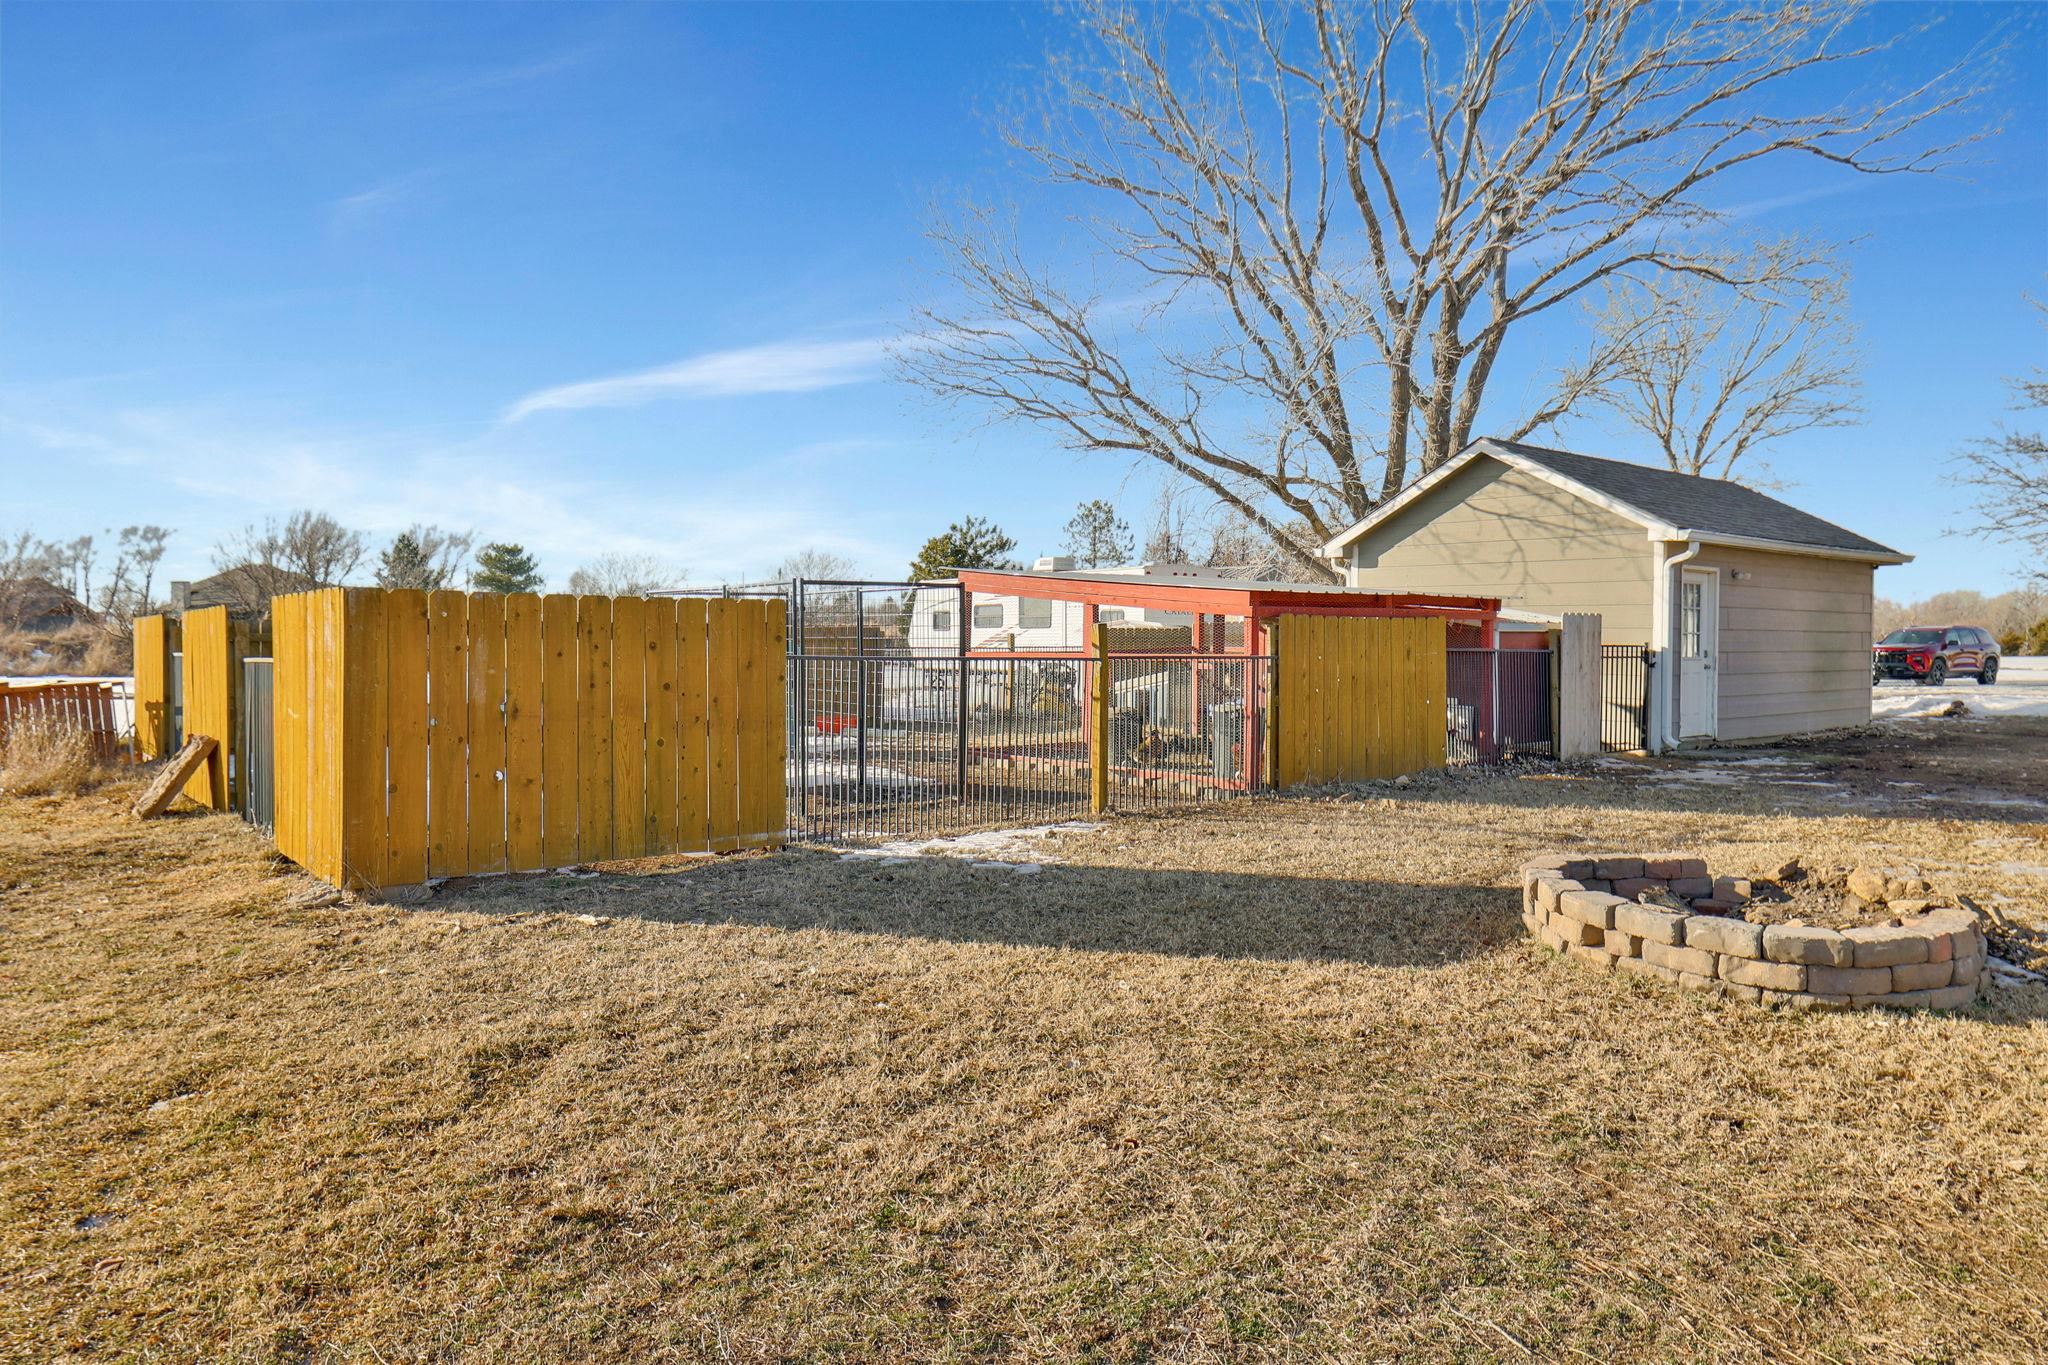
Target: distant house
(1763, 608)
(242, 588)
(36, 606)
(1003, 622)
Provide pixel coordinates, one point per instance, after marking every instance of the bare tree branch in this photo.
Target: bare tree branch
(1332, 219)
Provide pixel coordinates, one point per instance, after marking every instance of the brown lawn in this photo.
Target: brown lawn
(1276, 1081)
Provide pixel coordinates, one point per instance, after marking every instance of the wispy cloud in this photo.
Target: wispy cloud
(469, 477)
(354, 209)
(442, 86)
(781, 367)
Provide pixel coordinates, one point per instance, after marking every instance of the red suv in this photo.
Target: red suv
(1932, 654)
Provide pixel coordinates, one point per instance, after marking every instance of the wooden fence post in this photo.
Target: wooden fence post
(1098, 729)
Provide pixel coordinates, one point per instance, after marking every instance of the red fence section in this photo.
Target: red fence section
(87, 706)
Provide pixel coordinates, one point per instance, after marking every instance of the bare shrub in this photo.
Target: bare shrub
(47, 755)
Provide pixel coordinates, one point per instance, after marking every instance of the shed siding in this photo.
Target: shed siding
(1493, 531)
(1795, 642)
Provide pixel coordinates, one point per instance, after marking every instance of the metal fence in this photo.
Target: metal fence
(918, 746)
(175, 723)
(255, 758)
(1625, 697)
(1498, 705)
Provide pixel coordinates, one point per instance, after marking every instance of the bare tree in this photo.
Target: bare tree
(1711, 375)
(1338, 216)
(813, 563)
(2007, 474)
(1167, 541)
(309, 550)
(423, 556)
(130, 587)
(623, 575)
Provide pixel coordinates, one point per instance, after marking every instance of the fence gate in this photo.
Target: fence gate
(1499, 705)
(1625, 672)
(922, 745)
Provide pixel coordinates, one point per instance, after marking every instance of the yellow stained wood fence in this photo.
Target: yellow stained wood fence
(155, 639)
(1357, 698)
(441, 734)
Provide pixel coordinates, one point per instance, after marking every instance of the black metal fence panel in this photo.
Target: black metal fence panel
(1625, 697)
(909, 746)
(1498, 704)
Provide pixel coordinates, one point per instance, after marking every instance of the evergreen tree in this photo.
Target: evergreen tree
(969, 544)
(505, 568)
(422, 557)
(1097, 536)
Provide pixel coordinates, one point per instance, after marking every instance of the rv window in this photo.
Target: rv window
(1109, 616)
(988, 616)
(1034, 613)
(942, 620)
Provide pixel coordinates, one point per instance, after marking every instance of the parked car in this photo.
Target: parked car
(1934, 654)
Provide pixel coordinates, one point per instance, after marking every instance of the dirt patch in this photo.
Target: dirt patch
(1973, 768)
(1273, 1081)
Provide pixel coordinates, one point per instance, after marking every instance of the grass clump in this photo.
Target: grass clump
(47, 756)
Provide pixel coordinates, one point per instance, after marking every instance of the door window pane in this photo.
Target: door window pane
(1690, 612)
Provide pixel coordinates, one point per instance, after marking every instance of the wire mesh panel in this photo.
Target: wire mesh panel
(1625, 697)
(1498, 705)
(1185, 728)
(910, 746)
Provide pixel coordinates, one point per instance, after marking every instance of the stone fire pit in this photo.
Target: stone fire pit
(1665, 915)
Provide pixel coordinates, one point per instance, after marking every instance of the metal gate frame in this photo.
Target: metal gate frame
(1626, 673)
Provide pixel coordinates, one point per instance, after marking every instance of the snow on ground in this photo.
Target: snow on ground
(1014, 850)
(2021, 690)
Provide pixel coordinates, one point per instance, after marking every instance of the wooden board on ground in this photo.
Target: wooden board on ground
(165, 786)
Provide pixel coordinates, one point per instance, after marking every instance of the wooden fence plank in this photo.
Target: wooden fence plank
(559, 692)
(207, 703)
(1356, 697)
(447, 734)
(770, 771)
(405, 653)
(525, 709)
(486, 732)
(364, 792)
(663, 721)
(763, 782)
(629, 727)
(331, 667)
(152, 687)
(594, 728)
(286, 652)
(722, 727)
(693, 781)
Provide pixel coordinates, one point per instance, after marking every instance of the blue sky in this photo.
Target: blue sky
(600, 278)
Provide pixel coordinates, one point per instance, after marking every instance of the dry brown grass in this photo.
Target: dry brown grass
(47, 755)
(1276, 1082)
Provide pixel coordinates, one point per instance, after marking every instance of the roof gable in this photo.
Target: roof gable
(1667, 504)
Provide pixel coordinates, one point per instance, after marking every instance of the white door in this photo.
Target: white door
(1699, 647)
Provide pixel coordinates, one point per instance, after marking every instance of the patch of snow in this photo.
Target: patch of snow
(2021, 690)
(841, 775)
(1015, 849)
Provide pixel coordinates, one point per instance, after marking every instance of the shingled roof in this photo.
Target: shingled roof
(1686, 506)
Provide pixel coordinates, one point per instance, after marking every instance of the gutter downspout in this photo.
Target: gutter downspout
(1667, 580)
